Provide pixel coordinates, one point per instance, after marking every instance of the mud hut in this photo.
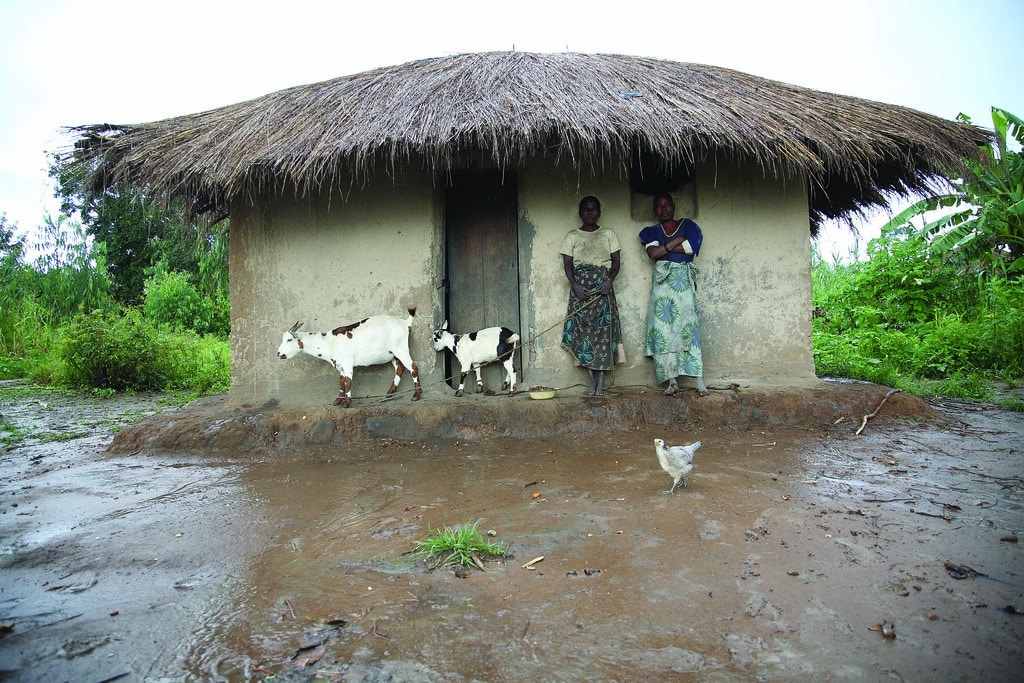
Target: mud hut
(448, 184)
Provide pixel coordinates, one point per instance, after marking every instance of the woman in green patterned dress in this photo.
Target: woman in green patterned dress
(590, 257)
(673, 338)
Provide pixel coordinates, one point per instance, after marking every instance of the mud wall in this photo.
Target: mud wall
(336, 258)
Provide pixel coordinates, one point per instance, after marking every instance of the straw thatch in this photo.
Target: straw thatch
(587, 110)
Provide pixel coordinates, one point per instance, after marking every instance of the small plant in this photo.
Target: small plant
(10, 436)
(1011, 403)
(459, 545)
(52, 437)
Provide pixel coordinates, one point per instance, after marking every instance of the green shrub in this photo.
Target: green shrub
(24, 325)
(128, 353)
(1003, 323)
(200, 365)
(909, 320)
(970, 386)
(111, 351)
(41, 367)
(948, 345)
(173, 301)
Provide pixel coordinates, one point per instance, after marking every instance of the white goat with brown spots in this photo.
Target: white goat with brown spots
(371, 341)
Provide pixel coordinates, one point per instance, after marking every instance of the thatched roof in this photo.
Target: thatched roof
(587, 110)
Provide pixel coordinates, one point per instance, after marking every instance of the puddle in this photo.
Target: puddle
(774, 563)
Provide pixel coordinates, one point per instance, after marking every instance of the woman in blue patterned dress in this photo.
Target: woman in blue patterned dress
(673, 338)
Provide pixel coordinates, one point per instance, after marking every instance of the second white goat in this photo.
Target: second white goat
(476, 349)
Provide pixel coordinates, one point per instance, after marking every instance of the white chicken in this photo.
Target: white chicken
(676, 460)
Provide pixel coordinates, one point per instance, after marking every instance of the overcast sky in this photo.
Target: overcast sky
(70, 62)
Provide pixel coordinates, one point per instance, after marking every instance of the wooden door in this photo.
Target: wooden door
(482, 263)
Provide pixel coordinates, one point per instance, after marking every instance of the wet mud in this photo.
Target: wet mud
(798, 551)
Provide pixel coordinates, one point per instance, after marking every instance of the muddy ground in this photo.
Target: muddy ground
(282, 550)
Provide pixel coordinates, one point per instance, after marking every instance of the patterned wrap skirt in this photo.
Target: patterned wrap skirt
(673, 338)
(592, 331)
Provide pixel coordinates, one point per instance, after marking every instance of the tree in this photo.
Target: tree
(140, 233)
(980, 225)
(11, 250)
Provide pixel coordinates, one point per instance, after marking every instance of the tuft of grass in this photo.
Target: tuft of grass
(56, 437)
(458, 545)
(1012, 403)
(11, 436)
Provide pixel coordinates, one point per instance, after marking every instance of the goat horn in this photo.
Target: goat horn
(294, 328)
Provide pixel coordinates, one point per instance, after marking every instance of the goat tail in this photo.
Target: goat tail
(412, 311)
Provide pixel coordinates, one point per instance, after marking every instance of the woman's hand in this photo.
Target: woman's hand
(579, 290)
(605, 286)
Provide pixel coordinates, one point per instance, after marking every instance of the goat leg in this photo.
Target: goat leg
(344, 398)
(399, 369)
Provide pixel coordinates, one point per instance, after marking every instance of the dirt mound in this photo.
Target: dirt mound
(215, 426)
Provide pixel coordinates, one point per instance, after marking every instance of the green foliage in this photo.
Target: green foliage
(64, 321)
(212, 250)
(11, 249)
(172, 300)
(939, 306)
(979, 227)
(459, 545)
(70, 274)
(126, 352)
(140, 232)
(105, 350)
(915, 323)
(199, 365)
(37, 298)
(42, 367)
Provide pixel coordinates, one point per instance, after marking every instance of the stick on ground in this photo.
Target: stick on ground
(864, 422)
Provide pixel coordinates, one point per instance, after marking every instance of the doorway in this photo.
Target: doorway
(482, 263)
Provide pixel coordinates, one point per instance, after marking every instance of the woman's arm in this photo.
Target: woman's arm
(606, 285)
(678, 243)
(656, 251)
(577, 288)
